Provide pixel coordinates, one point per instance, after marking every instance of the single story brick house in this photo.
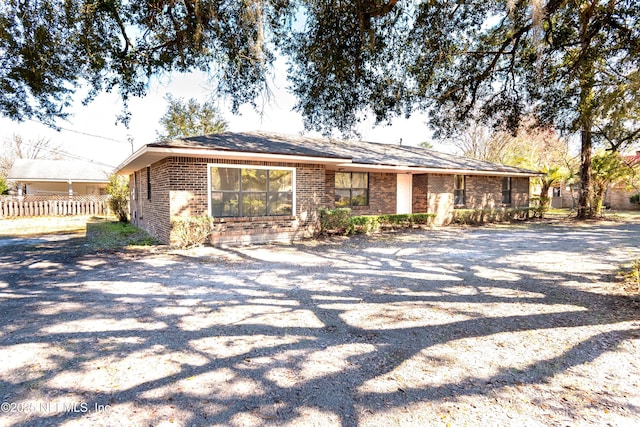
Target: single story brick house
(264, 187)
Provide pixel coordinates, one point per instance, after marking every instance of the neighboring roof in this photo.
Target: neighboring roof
(58, 170)
(633, 159)
(353, 154)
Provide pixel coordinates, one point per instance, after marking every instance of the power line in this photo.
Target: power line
(84, 133)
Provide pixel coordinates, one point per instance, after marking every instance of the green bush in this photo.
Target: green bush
(191, 231)
(423, 218)
(397, 219)
(484, 216)
(3, 186)
(118, 189)
(363, 224)
(334, 220)
(635, 198)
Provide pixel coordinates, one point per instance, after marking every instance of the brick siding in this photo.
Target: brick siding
(153, 214)
(440, 197)
(483, 192)
(179, 187)
(420, 193)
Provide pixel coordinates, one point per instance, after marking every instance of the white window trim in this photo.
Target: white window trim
(226, 165)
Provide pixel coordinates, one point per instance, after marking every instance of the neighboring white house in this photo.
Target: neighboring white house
(59, 177)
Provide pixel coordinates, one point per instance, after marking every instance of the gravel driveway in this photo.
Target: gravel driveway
(478, 326)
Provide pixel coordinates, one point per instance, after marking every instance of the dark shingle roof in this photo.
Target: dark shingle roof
(58, 170)
(366, 153)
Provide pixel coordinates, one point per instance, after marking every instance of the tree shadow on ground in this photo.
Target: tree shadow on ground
(412, 328)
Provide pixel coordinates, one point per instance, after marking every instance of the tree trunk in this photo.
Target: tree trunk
(584, 202)
(586, 109)
(599, 200)
(545, 200)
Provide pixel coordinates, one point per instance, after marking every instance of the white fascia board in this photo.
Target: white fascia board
(420, 170)
(141, 157)
(138, 153)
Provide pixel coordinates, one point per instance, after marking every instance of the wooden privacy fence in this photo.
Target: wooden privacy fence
(15, 206)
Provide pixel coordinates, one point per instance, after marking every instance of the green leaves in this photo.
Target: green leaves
(190, 118)
(347, 60)
(118, 189)
(51, 47)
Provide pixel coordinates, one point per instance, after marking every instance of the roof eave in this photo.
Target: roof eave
(449, 171)
(137, 160)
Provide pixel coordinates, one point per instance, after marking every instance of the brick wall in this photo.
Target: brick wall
(310, 185)
(420, 193)
(329, 189)
(440, 197)
(238, 231)
(382, 194)
(152, 214)
(188, 187)
(483, 192)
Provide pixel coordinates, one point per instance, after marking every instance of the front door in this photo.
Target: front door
(404, 193)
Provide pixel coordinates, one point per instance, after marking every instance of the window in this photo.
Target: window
(458, 190)
(556, 191)
(251, 191)
(352, 189)
(506, 190)
(149, 182)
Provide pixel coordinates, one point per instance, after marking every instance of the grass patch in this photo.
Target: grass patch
(623, 215)
(33, 226)
(115, 235)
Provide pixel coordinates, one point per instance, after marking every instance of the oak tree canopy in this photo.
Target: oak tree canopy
(572, 63)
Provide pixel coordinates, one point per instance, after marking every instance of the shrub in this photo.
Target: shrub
(3, 186)
(635, 198)
(334, 220)
(118, 189)
(363, 224)
(396, 219)
(423, 218)
(191, 231)
(483, 216)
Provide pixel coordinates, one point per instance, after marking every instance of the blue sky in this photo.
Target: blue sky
(110, 141)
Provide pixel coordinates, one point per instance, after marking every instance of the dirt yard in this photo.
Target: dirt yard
(461, 327)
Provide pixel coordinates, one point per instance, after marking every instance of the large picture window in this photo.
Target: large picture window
(251, 191)
(352, 189)
(458, 190)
